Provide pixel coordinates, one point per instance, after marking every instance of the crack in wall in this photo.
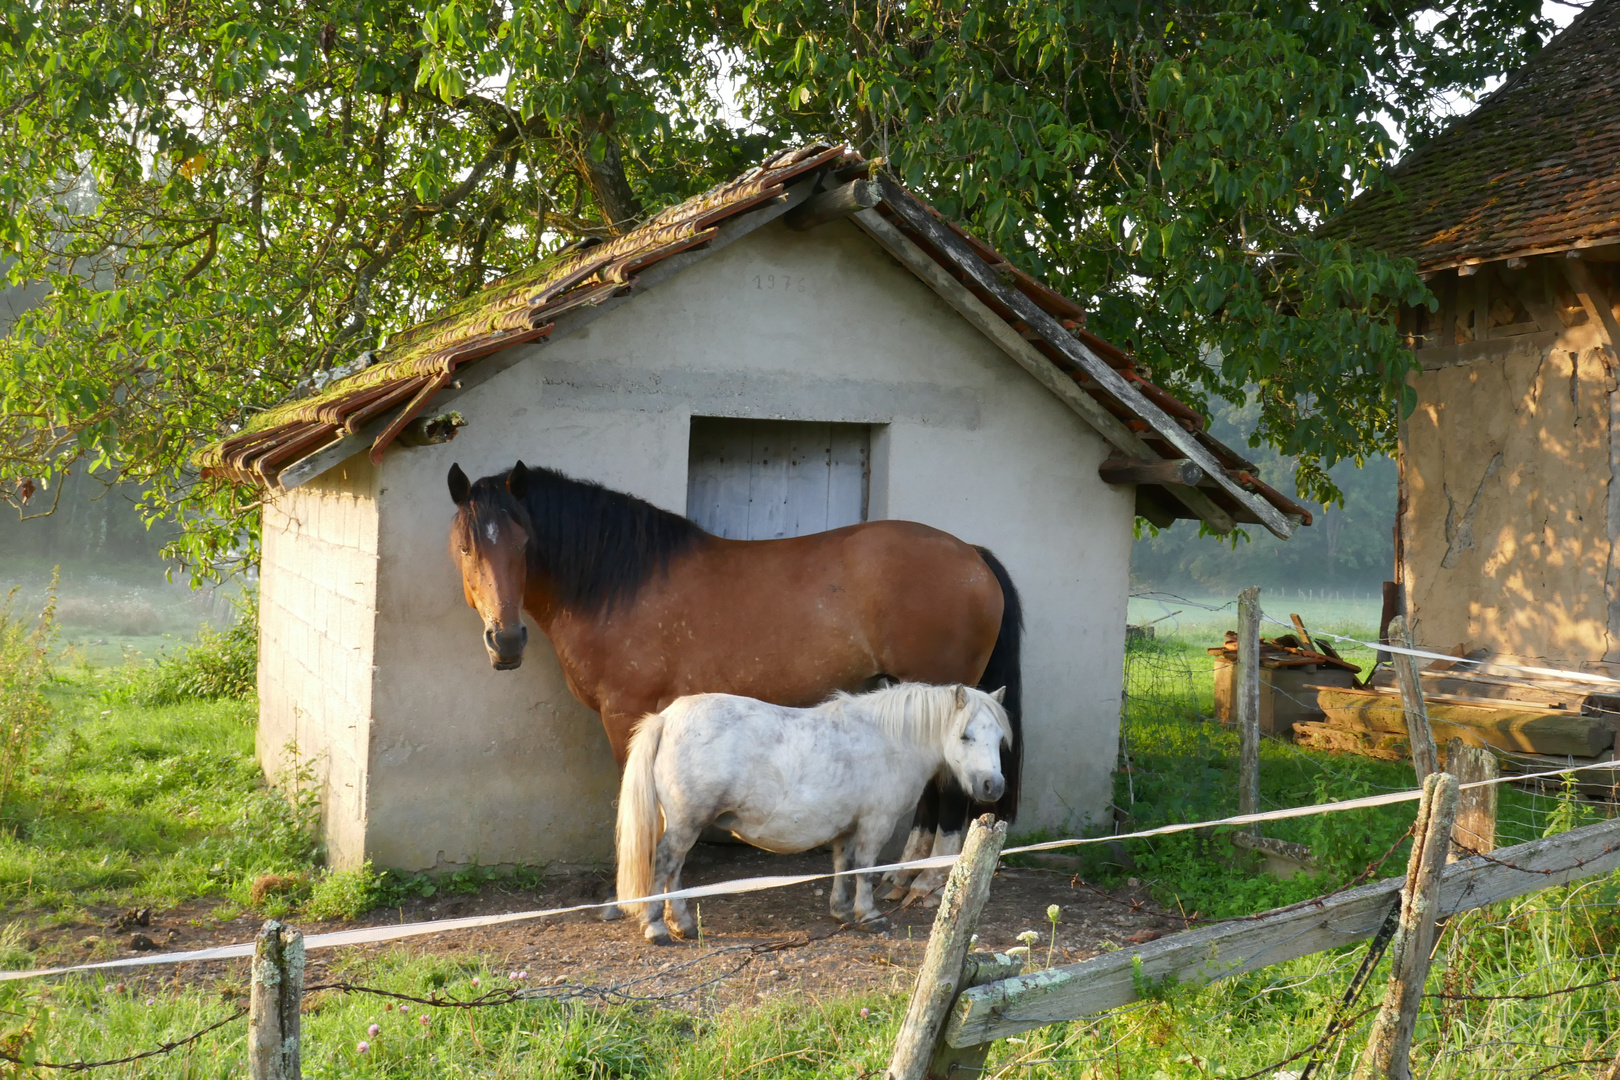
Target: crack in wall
(1460, 534)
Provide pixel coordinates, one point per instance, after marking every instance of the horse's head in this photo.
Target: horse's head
(973, 751)
(489, 541)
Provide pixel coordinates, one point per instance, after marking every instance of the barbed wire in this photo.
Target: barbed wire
(163, 1048)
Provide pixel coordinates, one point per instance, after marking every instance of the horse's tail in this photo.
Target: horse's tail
(1004, 670)
(636, 837)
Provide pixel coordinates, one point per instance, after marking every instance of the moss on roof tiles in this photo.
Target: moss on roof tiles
(1536, 165)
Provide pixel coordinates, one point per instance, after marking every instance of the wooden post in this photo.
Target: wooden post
(1417, 714)
(273, 1003)
(1476, 809)
(940, 979)
(1248, 702)
(1389, 1045)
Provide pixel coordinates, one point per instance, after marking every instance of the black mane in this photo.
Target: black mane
(597, 546)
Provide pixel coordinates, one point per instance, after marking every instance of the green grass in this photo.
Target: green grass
(1183, 767)
(1544, 942)
(92, 1019)
(150, 805)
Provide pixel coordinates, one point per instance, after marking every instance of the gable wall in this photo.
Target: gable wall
(470, 764)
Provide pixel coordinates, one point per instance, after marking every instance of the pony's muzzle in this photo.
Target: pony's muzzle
(506, 646)
(990, 788)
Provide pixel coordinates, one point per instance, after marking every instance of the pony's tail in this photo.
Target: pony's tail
(636, 837)
(1004, 669)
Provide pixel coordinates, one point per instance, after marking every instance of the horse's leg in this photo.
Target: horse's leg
(923, 826)
(839, 904)
(954, 805)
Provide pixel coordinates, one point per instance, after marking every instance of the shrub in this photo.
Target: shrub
(345, 894)
(216, 665)
(25, 668)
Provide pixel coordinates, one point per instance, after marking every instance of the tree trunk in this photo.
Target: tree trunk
(605, 176)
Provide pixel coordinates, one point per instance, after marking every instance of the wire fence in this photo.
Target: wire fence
(1524, 988)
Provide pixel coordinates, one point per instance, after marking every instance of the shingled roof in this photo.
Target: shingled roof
(1534, 169)
(435, 360)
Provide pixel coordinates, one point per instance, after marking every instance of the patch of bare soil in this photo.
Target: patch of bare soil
(733, 964)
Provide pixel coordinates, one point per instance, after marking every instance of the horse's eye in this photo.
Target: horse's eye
(464, 551)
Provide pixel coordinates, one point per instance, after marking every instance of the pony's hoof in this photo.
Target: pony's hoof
(657, 937)
(611, 913)
(689, 931)
(895, 893)
(845, 916)
(877, 924)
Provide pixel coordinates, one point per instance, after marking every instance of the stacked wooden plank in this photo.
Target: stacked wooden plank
(1532, 719)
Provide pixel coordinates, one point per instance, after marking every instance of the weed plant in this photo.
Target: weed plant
(25, 669)
(215, 665)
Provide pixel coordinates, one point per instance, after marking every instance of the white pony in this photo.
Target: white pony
(787, 780)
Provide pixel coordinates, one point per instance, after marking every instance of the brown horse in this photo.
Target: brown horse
(643, 607)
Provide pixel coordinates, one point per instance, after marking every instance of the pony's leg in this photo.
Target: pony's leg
(954, 805)
(677, 909)
(865, 846)
(667, 863)
(924, 823)
(839, 905)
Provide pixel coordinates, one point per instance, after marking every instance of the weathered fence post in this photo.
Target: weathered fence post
(1476, 808)
(1248, 703)
(1418, 732)
(1389, 1045)
(273, 1003)
(941, 976)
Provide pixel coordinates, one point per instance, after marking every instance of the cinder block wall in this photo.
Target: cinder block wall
(317, 604)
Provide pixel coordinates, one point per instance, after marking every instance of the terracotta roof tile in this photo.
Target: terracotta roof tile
(1535, 168)
(421, 361)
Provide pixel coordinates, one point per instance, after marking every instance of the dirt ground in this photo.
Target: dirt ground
(579, 952)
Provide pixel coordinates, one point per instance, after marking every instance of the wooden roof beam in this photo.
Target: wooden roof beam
(1116, 385)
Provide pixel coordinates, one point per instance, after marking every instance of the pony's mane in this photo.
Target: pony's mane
(597, 546)
(918, 712)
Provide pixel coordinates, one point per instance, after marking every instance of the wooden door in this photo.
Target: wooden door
(764, 479)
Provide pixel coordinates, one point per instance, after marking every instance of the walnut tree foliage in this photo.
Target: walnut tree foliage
(227, 198)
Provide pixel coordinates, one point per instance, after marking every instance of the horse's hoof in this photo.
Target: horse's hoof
(895, 893)
(657, 937)
(844, 916)
(611, 913)
(877, 924)
(689, 931)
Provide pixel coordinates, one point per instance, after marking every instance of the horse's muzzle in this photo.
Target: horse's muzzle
(506, 646)
(990, 789)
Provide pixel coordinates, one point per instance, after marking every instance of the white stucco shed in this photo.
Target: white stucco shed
(822, 353)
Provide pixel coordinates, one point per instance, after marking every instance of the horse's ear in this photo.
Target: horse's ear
(460, 486)
(517, 481)
(961, 696)
(1000, 695)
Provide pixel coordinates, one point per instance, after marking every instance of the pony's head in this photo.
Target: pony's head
(978, 731)
(489, 541)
